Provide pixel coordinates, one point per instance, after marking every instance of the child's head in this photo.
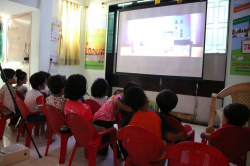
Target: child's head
(236, 114)
(21, 76)
(56, 84)
(118, 91)
(47, 75)
(135, 98)
(75, 87)
(38, 81)
(99, 88)
(131, 84)
(166, 100)
(10, 75)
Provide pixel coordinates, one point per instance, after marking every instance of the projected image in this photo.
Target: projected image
(169, 36)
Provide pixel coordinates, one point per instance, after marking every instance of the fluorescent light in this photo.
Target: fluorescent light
(143, 1)
(124, 4)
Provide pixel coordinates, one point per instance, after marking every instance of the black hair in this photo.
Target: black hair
(20, 75)
(134, 97)
(47, 75)
(9, 73)
(118, 90)
(76, 87)
(237, 114)
(166, 100)
(131, 84)
(99, 88)
(56, 83)
(37, 79)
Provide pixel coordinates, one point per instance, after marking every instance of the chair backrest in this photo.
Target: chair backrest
(142, 145)
(93, 105)
(23, 108)
(175, 126)
(82, 130)
(20, 95)
(240, 93)
(232, 141)
(195, 154)
(54, 117)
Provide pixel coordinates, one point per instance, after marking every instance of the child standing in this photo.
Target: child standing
(167, 101)
(234, 114)
(99, 91)
(21, 79)
(6, 99)
(56, 85)
(34, 99)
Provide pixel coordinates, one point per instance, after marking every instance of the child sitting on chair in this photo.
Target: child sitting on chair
(234, 114)
(167, 101)
(21, 79)
(99, 91)
(6, 99)
(34, 100)
(56, 85)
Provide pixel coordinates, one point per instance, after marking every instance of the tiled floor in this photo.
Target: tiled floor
(53, 156)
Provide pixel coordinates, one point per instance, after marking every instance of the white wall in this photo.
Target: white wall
(232, 79)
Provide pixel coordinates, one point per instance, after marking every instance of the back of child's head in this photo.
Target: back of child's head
(118, 91)
(134, 97)
(166, 100)
(76, 87)
(99, 88)
(20, 75)
(47, 75)
(131, 84)
(236, 114)
(56, 83)
(37, 79)
(9, 73)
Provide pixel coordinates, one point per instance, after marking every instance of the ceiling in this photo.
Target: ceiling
(11, 8)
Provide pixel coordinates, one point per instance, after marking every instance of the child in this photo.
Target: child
(99, 91)
(21, 79)
(74, 90)
(167, 101)
(6, 99)
(56, 85)
(34, 99)
(45, 91)
(234, 114)
(118, 91)
(105, 117)
(135, 98)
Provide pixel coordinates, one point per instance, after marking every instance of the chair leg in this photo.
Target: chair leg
(20, 129)
(92, 156)
(115, 152)
(27, 141)
(49, 141)
(63, 150)
(37, 129)
(86, 153)
(73, 154)
(2, 126)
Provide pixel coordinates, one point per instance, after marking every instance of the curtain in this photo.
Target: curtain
(1, 39)
(69, 42)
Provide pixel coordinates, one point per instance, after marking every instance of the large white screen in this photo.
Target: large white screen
(166, 40)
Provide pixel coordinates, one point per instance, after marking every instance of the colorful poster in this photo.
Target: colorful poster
(95, 43)
(55, 29)
(1, 39)
(240, 60)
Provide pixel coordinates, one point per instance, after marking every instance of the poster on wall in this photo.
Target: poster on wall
(55, 29)
(1, 39)
(240, 55)
(95, 42)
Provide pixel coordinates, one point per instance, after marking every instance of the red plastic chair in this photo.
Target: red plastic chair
(56, 120)
(233, 142)
(177, 127)
(20, 95)
(93, 105)
(87, 137)
(143, 146)
(195, 154)
(3, 120)
(25, 112)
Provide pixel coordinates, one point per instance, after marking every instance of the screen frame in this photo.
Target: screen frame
(145, 6)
